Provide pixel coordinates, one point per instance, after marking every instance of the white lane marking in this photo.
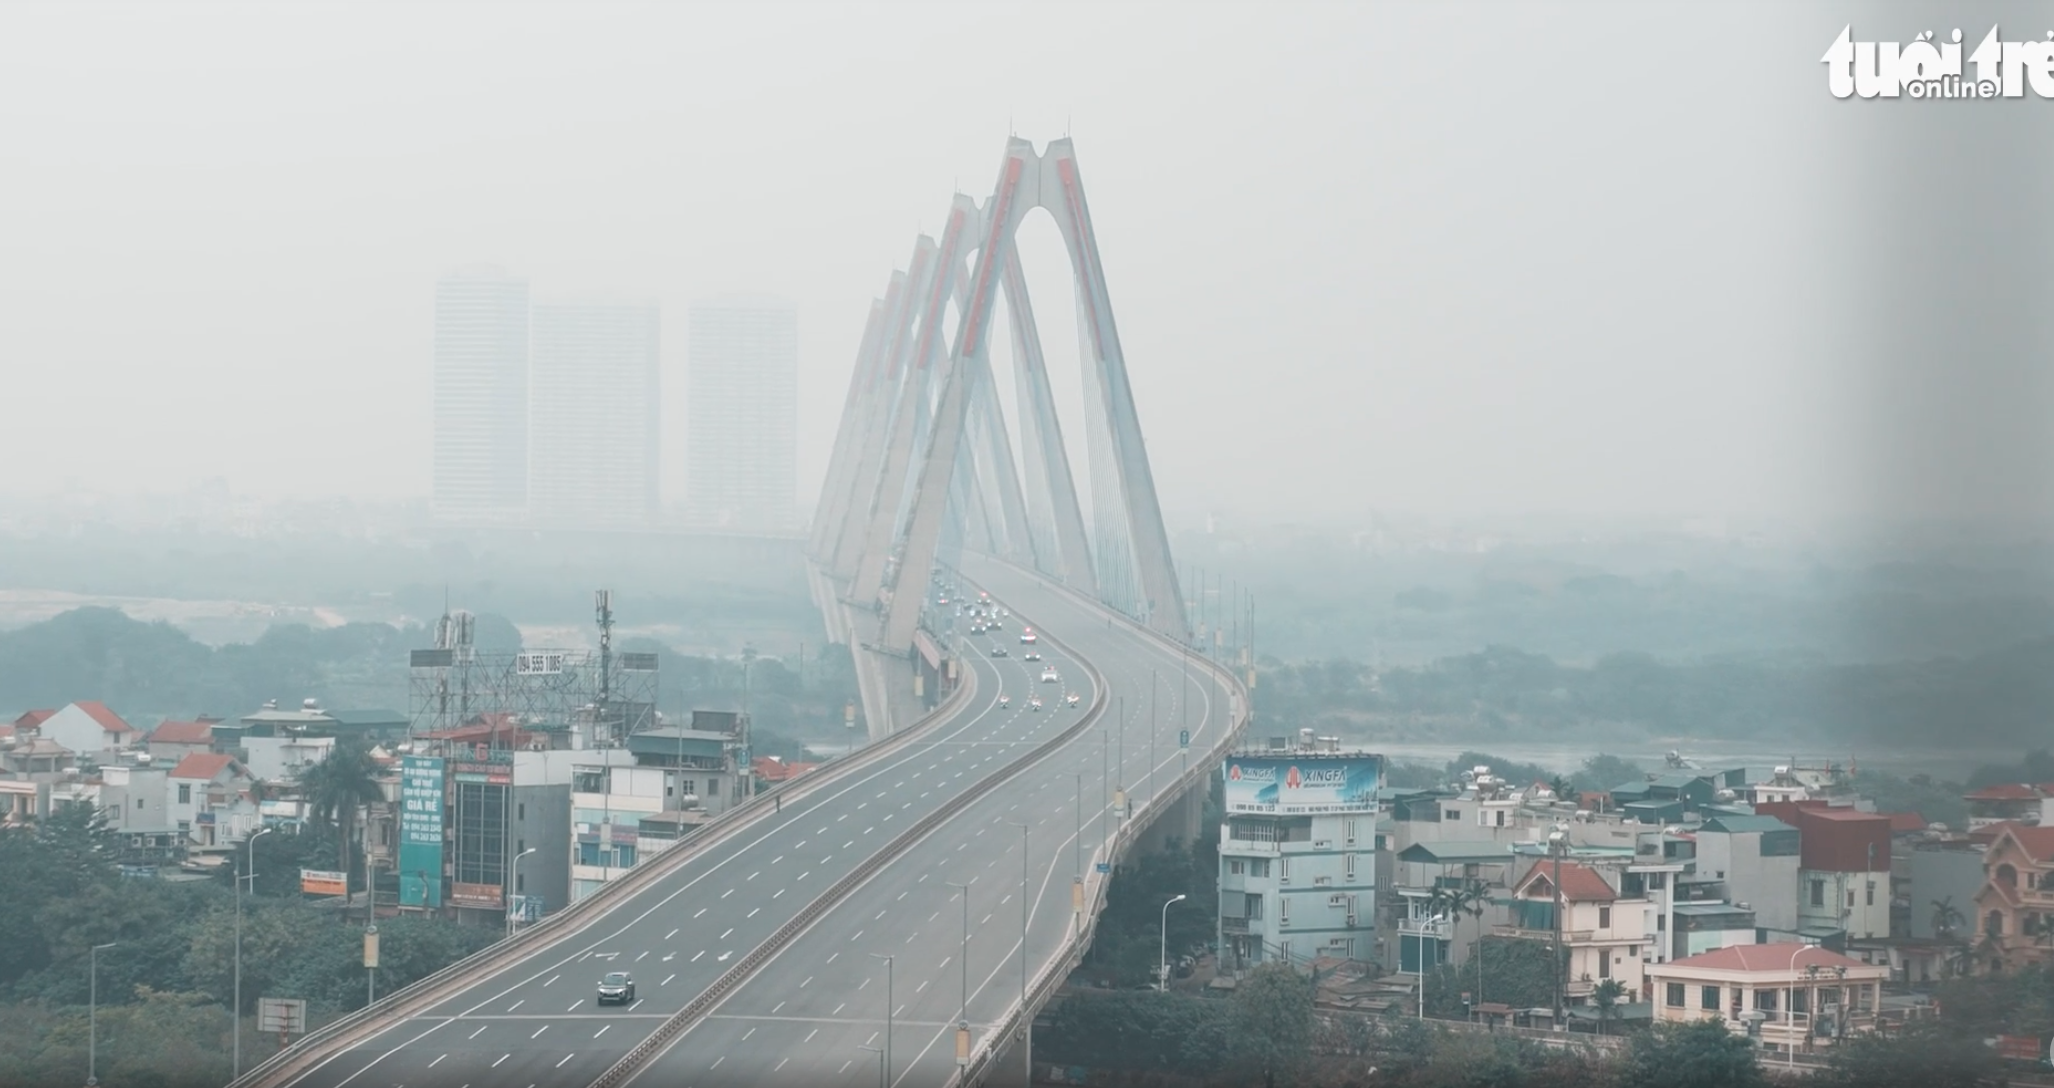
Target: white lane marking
(987, 920)
(869, 829)
(666, 937)
(833, 956)
(944, 962)
(552, 978)
(480, 1031)
(666, 982)
(777, 893)
(702, 910)
(1007, 899)
(920, 988)
(838, 1009)
(880, 914)
(864, 805)
(873, 1036)
(910, 936)
(803, 842)
(730, 932)
(779, 1005)
(827, 859)
(746, 1034)
(539, 1031)
(567, 1057)
(602, 1031)
(845, 1066)
(802, 985)
(803, 875)
(755, 874)
(811, 1034)
(637, 1004)
(902, 896)
(695, 958)
(850, 843)
(839, 819)
(727, 893)
(752, 912)
(777, 859)
(436, 1062)
(716, 1063)
(933, 916)
(638, 959)
(517, 1004)
(780, 1064)
(574, 1006)
(502, 1058)
(859, 933)
(865, 984)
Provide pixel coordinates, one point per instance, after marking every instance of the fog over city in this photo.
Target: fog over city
(1581, 257)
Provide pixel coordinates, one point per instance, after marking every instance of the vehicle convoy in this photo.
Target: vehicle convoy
(617, 988)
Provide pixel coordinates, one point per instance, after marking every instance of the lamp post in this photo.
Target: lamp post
(512, 918)
(93, 1017)
(249, 874)
(1162, 958)
(1026, 1019)
(748, 775)
(963, 1008)
(885, 1055)
(1558, 845)
(1790, 1035)
(880, 1063)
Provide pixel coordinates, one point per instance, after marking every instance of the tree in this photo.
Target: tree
(340, 785)
(1925, 1055)
(1605, 998)
(1698, 1054)
(1472, 899)
(1273, 1021)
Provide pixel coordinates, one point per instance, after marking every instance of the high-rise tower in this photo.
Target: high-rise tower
(481, 397)
(743, 415)
(594, 435)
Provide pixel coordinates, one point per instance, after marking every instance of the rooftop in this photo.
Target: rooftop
(1780, 959)
(170, 732)
(203, 765)
(109, 720)
(1580, 884)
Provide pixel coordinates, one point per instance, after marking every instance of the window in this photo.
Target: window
(1284, 909)
(1850, 897)
(1283, 870)
(1658, 880)
(1604, 917)
(1708, 998)
(1451, 814)
(1348, 866)
(1675, 996)
(1337, 900)
(1501, 817)
(1604, 963)
(520, 846)
(185, 794)
(139, 802)
(1348, 829)
(1872, 893)
(1818, 892)
(521, 811)
(1236, 867)
(1259, 868)
(1252, 907)
(1661, 922)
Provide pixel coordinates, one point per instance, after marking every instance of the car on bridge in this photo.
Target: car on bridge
(1005, 701)
(1049, 676)
(1034, 704)
(998, 651)
(1070, 699)
(617, 988)
(1031, 655)
(1027, 636)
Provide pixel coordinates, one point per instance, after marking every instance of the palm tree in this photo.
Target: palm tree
(1472, 899)
(1604, 998)
(1947, 919)
(1561, 788)
(337, 787)
(1439, 903)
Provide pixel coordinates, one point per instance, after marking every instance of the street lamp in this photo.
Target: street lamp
(1027, 1020)
(1162, 959)
(880, 1063)
(93, 1017)
(249, 874)
(963, 1009)
(511, 917)
(1790, 1033)
(884, 1056)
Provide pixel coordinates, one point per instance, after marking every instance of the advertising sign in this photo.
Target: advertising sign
(484, 896)
(323, 882)
(420, 831)
(1303, 784)
(539, 663)
(281, 1014)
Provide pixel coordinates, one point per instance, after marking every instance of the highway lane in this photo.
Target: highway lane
(537, 1023)
(804, 1016)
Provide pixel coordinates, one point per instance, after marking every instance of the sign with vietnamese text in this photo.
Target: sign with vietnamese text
(420, 831)
(323, 882)
(1303, 784)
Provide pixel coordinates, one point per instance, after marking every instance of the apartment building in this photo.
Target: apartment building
(1606, 933)
(1297, 877)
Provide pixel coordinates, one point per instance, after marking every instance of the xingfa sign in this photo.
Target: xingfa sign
(1303, 784)
(1924, 68)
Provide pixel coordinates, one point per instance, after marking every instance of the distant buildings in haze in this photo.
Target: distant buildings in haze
(547, 414)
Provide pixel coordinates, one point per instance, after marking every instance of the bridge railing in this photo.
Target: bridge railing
(985, 1054)
(426, 992)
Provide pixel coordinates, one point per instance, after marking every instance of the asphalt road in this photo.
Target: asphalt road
(804, 1018)
(537, 1023)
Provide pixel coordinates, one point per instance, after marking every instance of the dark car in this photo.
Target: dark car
(617, 988)
(998, 651)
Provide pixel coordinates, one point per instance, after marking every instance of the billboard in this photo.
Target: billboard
(420, 831)
(481, 896)
(323, 882)
(1303, 784)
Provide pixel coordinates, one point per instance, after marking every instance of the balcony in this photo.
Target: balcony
(1236, 926)
(1436, 928)
(1234, 847)
(1571, 936)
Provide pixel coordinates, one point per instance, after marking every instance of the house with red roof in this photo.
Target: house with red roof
(771, 770)
(210, 800)
(89, 729)
(1804, 996)
(2024, 802)
(174, 741)
(1606, 933)
(2015, 908)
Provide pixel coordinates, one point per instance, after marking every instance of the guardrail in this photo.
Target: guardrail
(657, 1041)
(426, 992)
(1057, 971)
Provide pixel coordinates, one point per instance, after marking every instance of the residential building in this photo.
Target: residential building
(1297, 856)
(1797, 992)
(2007, 802)
(173, 741)
(136, 800)
(209, 801)
(23, 801)
(594, 415)
(285, 758)
(90, 730)
(1708, 927)
(1427, 935)
(1607, 934)
(1843, 868)
(1754, 860)
(743, 416)
(2015, 907)
(481, 397)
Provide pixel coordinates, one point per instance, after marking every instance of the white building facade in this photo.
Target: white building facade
(1297, 862)
(743, 416)
(481, 397)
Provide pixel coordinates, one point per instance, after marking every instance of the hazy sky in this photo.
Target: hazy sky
(1369, 256)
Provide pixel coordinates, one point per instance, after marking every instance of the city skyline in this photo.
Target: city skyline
(742, 407)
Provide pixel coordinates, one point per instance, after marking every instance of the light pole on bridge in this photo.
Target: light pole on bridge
(885, 1056)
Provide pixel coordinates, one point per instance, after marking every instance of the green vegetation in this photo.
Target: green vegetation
(166, 987)
(1125, 951)
(1518, 973)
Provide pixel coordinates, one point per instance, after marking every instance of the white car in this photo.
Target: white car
(1031, 655)
(1034, 704)
(1005, 701)
(1071, 699)
(1048, 676)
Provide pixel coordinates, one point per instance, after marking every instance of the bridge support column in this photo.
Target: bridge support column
(1181, 820)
